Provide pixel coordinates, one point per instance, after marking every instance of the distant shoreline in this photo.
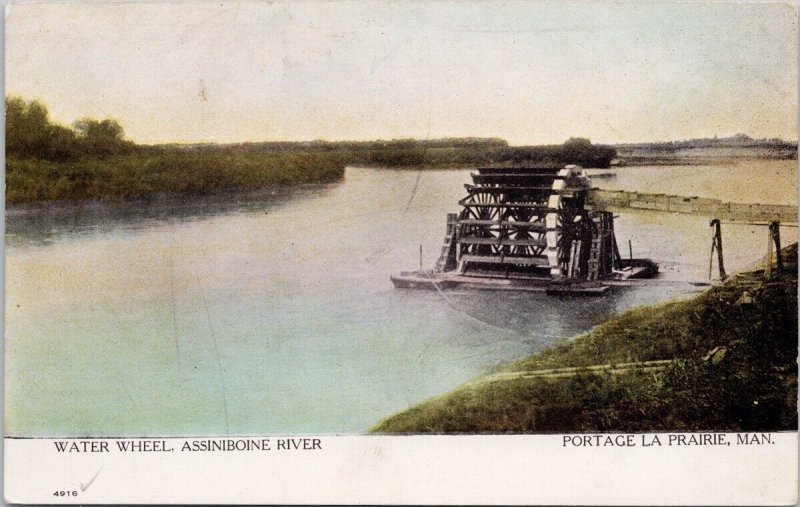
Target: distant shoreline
(719, 155)
(195, 173)
(46, 161)
(123, 169)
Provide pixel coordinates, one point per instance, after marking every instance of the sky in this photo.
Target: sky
(529, 72)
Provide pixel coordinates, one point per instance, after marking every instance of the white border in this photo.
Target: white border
(436, 469)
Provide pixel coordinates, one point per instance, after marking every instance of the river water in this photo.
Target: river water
(272, 312)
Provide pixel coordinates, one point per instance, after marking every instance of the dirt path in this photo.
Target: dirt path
(576, 370)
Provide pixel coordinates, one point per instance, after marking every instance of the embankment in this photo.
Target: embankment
(724, 360)
(145, 171)
(139, 170)
(616, 199)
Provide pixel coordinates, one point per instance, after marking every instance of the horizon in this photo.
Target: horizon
(396, 139)
(528, 73)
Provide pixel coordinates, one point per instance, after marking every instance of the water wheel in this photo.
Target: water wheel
(521, 220)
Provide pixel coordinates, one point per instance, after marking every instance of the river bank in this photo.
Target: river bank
(147, 172)
(46, 161)
(138, 170)
(721, 361)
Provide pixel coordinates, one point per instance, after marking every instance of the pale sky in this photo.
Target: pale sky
(529, 72)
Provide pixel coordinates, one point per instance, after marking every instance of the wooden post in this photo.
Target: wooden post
(420, 257)
(711, 256)
(630, 248)
(616, 257)
(768, 267)
(775, 232)
(716, 244)
(722, 274)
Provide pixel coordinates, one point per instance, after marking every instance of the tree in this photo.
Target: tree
(101, 137)
(27, 128)
(61, 144)
(29, 133)
(581, 151)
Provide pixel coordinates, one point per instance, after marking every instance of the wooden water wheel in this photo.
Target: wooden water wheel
(525, 221)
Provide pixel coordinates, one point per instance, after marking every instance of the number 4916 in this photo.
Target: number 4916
(65, 493)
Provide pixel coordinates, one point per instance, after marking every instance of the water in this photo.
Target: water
(272, 312)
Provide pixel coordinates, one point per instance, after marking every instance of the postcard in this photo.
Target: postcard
(344, 252)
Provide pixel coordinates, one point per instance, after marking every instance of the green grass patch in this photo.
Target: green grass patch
(149, 171)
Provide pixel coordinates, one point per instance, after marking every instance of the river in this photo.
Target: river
(271, 312)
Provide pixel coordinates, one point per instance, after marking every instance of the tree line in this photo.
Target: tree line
(31, 134)
(93, 160)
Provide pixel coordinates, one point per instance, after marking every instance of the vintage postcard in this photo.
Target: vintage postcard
(518, 252)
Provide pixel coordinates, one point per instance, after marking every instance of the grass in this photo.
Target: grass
(141, 170)
(420, 156)
(146, 172)
(752, 388)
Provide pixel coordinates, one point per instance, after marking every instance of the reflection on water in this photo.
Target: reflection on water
(44, 223)
(272, 312)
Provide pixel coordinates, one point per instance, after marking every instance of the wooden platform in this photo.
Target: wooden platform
(432, 280)
(637, 272)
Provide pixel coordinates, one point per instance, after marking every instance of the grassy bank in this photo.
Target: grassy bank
(144, 172)
(459, 153)
(141, 170)
(93, 159)
(748, 383)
